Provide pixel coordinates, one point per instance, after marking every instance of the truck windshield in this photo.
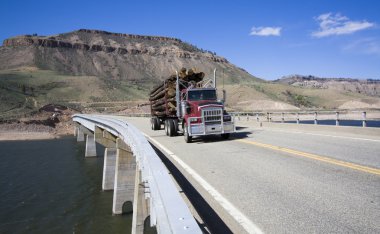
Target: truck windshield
(196, 95)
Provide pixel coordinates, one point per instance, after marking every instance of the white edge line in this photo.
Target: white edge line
(247, 224)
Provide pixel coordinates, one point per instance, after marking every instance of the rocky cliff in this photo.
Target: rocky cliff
(121, 49)
(112, 55)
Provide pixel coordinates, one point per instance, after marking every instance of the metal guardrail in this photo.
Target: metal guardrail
(168, 211)
(315, 116)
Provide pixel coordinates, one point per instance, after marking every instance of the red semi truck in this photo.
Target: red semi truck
(198, 112)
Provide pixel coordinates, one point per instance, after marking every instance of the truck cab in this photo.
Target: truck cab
(203, 114)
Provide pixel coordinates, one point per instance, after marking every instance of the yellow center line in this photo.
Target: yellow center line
(315, 157)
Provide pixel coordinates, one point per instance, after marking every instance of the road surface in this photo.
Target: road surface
(284, 178)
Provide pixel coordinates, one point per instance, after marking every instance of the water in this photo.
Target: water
(355, 123)
(48, 186)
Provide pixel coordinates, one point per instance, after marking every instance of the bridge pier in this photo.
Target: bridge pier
(106, 139)
(90, 146)
(79, 134)
(109, 168)
(140, 205)
(125, 173)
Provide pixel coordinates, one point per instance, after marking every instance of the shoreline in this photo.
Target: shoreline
(26, 136)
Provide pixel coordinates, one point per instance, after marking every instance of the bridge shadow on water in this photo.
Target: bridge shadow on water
(212, 222)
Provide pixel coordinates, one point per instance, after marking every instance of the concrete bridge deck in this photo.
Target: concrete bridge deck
(284, 178)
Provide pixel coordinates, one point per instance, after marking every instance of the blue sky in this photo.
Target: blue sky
(269, 39)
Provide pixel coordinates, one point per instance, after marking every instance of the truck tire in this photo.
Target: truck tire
(225, 136)
(171, 128)
(156, 123)
(188, 138)
(166, 123)
(175, 121)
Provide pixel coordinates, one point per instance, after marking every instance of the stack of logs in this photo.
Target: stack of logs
(162, 97)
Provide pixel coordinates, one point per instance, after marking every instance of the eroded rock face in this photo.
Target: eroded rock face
(113, 56)
(130, 36)
(131, 44)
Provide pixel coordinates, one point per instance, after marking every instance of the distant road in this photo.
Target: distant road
(286, 178)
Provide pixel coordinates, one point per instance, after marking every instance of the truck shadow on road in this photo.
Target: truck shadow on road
(240, 128)
(216, 138)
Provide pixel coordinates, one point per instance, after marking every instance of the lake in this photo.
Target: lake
(48, 186)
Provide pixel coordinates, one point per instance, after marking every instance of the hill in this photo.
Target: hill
(92, 70)
(139, 59)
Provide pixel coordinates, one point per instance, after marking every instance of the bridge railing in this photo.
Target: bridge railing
(168, 211)
(314, 116)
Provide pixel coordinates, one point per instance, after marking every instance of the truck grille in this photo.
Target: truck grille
(212, 116)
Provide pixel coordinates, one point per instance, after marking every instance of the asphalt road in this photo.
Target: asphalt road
(289, 179)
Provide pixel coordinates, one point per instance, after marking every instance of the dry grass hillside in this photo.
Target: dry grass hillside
(95, 71)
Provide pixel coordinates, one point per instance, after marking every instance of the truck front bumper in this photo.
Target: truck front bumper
(214, 129)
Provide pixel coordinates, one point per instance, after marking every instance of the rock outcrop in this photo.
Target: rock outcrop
(57, 42)
(113, 56)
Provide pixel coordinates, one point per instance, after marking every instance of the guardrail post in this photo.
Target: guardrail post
(269, 117)
(140, 205)
(282, 117)
(257, 117)
(315, 118)
(337, 118)
(298, 118)
(247, 116)
(364, 115)
(125, 173)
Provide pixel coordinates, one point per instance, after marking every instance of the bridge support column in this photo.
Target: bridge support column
(125, 173)
(140, 205)
(108, 140)
(80, 134)
(90, 146)
(109, 168)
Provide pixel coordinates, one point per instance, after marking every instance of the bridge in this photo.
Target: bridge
(268, 178)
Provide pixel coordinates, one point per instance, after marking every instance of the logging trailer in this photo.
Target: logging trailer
(190, 106)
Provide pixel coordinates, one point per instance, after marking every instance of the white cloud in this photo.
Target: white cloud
(265, 31)
(336, 24)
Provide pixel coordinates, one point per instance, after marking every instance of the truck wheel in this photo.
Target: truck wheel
(156, 124)
(171, 128)
(175, 121)
(225, 136)
(166, 127)
(186, 134)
